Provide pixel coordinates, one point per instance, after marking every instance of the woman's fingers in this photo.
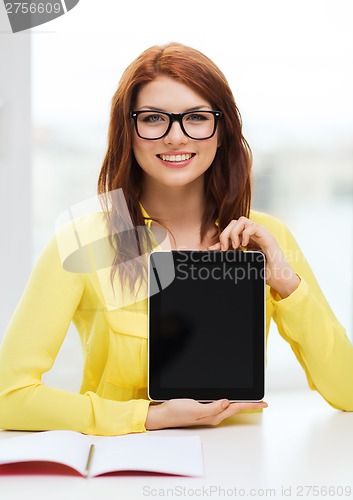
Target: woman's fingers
(194, 410)
(230, 410)
(239, 232)
(214, 408)
(250, 230)
(232, 235)
(228, 235)
(215, 412)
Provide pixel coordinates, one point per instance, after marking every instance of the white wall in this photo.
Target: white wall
(15, 167)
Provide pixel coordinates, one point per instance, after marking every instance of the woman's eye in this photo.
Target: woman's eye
(152, 118)
(196, 117)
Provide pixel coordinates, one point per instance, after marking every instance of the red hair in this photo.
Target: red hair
(227, 180)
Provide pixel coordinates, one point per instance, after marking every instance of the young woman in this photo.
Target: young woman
(177, 154)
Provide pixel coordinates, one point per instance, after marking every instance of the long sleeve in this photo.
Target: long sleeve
(38, 327)
(306, 321)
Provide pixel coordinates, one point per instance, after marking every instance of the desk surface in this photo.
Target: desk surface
(298, 442)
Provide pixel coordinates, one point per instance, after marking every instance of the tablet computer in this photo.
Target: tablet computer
(206, 337)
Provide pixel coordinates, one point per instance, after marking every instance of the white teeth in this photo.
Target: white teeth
(187, 156)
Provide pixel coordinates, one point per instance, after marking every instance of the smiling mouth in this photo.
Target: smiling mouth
(176, 158)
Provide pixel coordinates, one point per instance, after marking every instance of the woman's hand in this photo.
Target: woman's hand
(188, 412)
(242, 232)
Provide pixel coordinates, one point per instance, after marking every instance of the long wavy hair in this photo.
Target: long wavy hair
(227, 180)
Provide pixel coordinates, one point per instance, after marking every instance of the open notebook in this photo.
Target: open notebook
(95, 455)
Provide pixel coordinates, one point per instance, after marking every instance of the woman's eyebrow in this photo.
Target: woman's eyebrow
(194, 108)
(203, 106)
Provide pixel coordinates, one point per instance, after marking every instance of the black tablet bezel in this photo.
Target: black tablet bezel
(158, 393)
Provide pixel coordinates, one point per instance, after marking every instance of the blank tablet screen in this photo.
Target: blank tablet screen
(206, 325)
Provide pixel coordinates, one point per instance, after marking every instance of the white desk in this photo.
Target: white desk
(298, 442)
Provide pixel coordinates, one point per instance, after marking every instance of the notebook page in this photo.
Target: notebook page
(65, 447)
(141, 452)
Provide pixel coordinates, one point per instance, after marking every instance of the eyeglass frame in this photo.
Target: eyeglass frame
(177, 117)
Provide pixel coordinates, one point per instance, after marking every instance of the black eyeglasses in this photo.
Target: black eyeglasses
(152, 125)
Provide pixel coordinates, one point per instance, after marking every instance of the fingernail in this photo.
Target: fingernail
(225, 404)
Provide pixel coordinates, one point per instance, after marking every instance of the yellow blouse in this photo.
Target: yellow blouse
(71, 282)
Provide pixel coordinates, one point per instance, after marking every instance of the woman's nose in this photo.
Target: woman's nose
(175, 135)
